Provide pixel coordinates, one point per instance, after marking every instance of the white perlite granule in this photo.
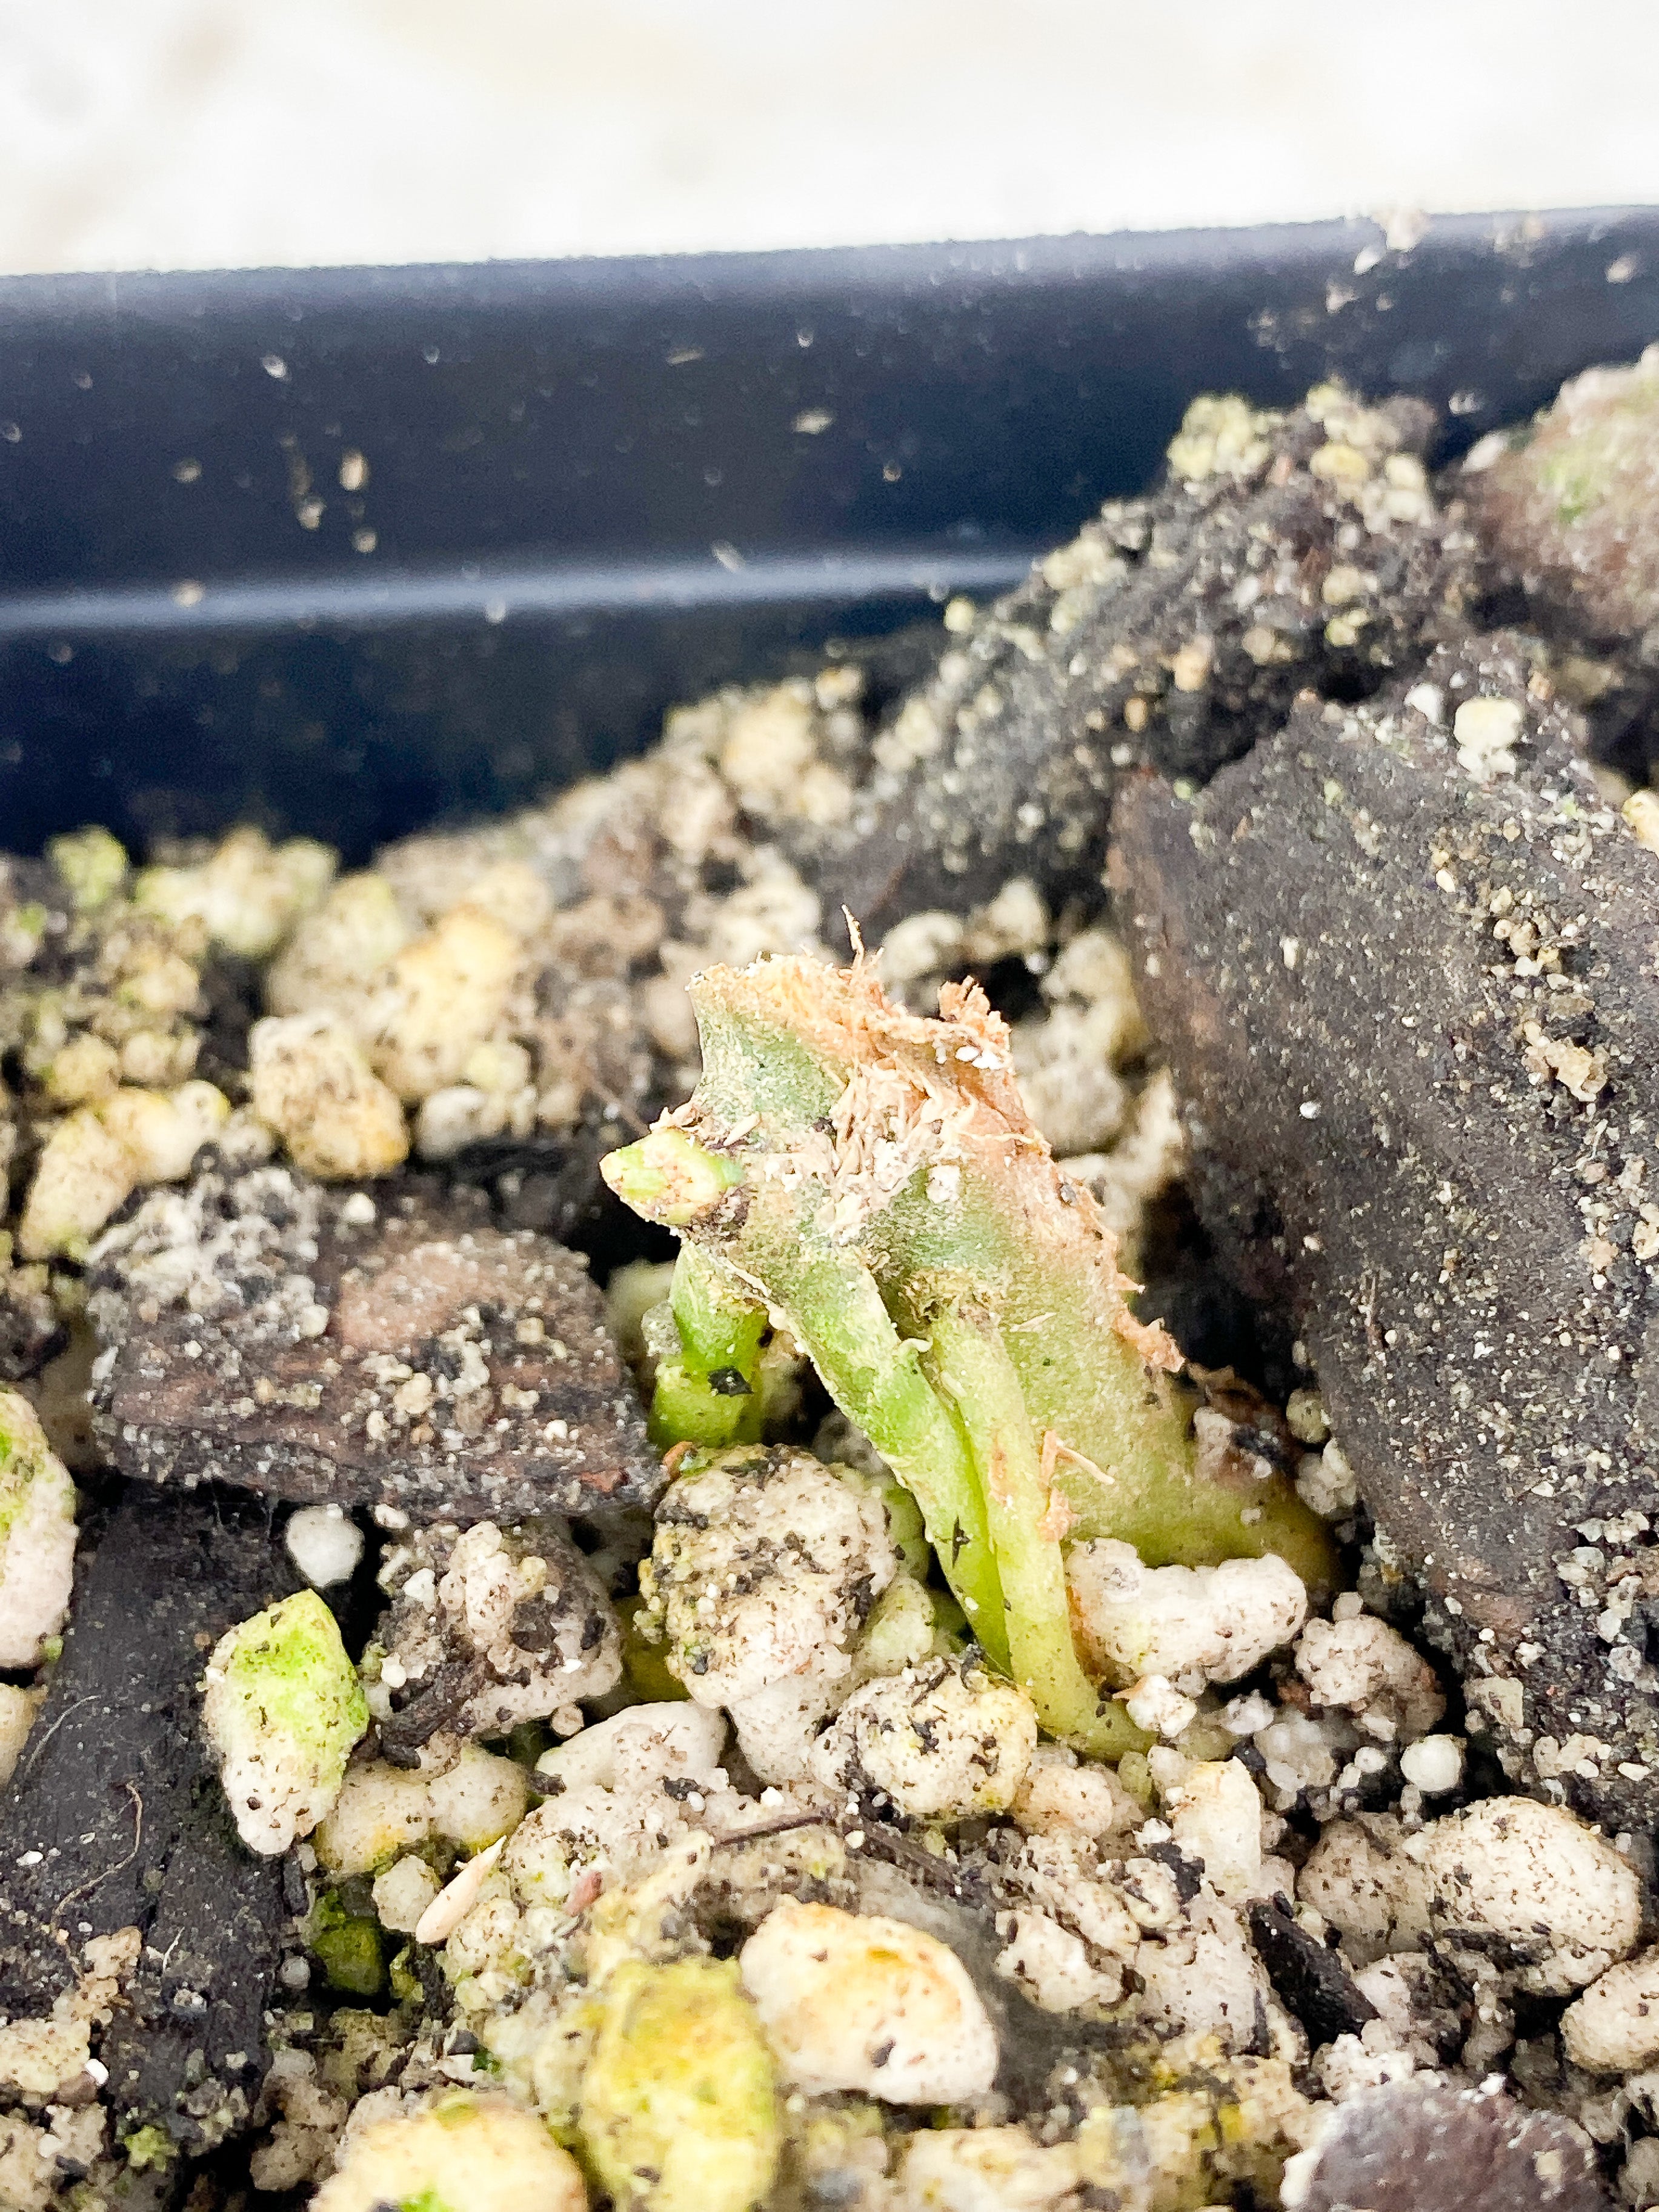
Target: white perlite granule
(1434, 1763)
(324, 1545)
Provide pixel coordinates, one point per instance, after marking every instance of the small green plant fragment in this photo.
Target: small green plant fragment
(347, 1945)
(680, 2102)
(148, 2146)
(870, 1179)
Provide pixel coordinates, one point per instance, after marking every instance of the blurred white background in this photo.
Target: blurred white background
(192, 133)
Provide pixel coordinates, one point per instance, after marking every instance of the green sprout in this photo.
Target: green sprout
(711, 1395)
(870, 1180)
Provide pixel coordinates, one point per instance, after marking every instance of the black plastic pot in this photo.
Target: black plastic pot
(587, 488)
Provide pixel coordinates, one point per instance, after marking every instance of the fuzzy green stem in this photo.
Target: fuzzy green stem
(874, 1375)
(970, 1363)
(711, 1396)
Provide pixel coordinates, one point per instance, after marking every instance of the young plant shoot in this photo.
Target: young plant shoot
(869, 1179)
